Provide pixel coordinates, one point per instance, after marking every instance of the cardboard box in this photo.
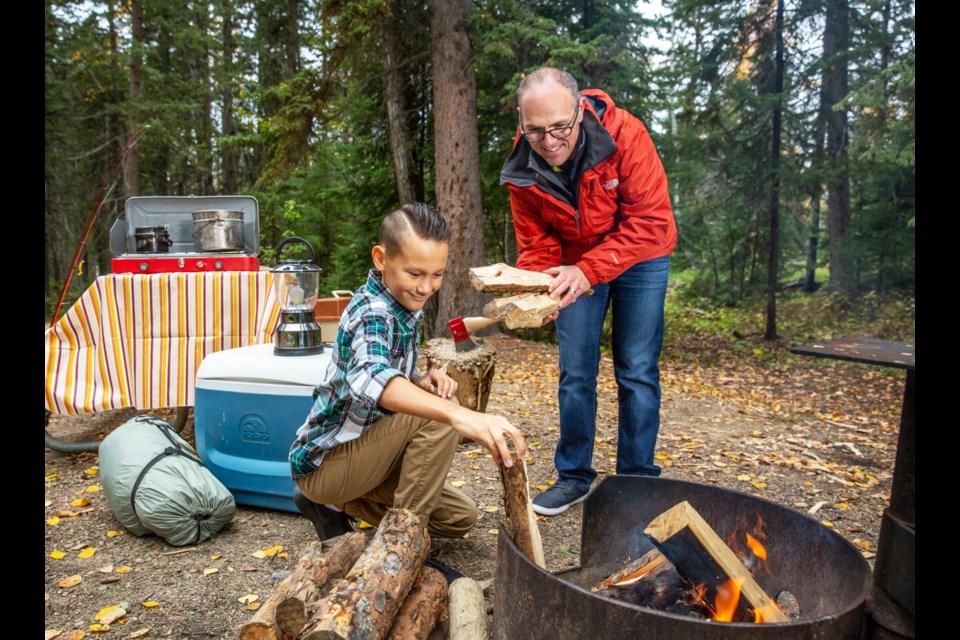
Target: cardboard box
(327, 312)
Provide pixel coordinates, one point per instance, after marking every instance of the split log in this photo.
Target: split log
(310, 579)
(364, 603)
(651, 580)
(522, 311)
(425, 605)
(684, 537)
(502, 278)
(468, 611)
(473, 370)
(520, 519)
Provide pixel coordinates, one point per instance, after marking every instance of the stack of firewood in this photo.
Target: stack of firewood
(372, 588)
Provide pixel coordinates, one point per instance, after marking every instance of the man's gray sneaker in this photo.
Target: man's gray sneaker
(559, 498)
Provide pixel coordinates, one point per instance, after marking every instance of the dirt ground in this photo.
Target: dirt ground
(814, 437)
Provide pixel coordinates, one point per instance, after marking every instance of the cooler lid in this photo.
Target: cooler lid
(177, 212)
(258, 363)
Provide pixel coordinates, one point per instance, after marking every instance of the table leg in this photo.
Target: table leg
(66, 446)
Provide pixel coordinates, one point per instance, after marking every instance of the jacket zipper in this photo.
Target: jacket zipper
(576, 218)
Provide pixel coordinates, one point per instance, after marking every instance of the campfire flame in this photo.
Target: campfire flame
(724, 606)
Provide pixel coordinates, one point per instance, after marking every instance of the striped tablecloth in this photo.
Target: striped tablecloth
(135, 340)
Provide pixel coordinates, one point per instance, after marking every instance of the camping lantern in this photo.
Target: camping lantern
(295, 284)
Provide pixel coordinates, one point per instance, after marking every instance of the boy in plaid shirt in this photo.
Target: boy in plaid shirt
(379, 435)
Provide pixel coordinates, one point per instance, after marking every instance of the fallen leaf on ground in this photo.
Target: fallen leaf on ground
(216, 556)
(93, 488)
(76, 634)
(124, 569)
(78, 546)
(96, 627)
(72, 581)
(493, 532)
(81, 502)
(50, 634)
(253, 606)
(139, 633)
(150, 604)
(105, 569)
(259, 554)
(458, 483)
(109, 614)
(46, 597)
(816, 507)
(50, 477)
(64, 513)
(47, 503)
(113, 533)
(56, 555)
(272, 551)
(365, 525)
(247, 599)
(491, 509)
(54, 520)
(87, 553)
(210, 571)
(92, 471)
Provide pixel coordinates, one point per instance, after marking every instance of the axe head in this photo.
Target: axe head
(461, 338)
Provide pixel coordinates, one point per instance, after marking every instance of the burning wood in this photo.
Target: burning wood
(703, 559)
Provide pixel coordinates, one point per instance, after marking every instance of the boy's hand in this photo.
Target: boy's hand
(492, 432)
(437, 382)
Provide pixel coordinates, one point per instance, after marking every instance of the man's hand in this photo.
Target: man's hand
(492, 432)
(568, 286)
(437, 382)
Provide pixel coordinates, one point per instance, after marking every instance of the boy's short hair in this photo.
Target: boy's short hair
(414, 217)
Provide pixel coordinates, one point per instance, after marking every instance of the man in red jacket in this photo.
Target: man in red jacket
(590, 206)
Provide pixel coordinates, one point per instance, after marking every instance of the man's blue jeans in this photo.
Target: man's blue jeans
(637, 297)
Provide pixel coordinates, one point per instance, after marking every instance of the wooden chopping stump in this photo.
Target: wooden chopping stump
(473, 370)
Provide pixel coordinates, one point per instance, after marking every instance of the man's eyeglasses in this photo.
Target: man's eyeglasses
(560, 133)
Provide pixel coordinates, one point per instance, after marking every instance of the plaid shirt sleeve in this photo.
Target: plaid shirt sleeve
(373, 351)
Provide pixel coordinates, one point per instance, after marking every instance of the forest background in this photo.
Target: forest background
(787, 129)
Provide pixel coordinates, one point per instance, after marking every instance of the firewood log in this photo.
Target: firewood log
(424, 606)
(314, 573)
(650, 580)
(468, 611)
(520, 519)
(363, 603)
(500, 278)
(522, 311)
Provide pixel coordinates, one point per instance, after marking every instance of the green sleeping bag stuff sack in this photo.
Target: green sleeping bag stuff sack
(156, 483)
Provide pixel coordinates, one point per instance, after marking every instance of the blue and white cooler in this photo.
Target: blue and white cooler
(248, 406)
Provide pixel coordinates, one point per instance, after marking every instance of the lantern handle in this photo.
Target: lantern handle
(313, 255)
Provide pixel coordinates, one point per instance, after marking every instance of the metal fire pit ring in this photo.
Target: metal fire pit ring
(827, 574)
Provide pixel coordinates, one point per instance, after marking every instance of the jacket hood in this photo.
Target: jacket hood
(521, 166)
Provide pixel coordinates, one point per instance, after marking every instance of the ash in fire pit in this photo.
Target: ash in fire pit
(827, 576)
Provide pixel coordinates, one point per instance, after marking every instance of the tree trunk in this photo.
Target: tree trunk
(394, 95)
(836, 43)
(773, 265)
(131, 162)
(228, 152)
(457, 159)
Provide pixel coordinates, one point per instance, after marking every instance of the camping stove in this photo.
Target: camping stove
(179, 253)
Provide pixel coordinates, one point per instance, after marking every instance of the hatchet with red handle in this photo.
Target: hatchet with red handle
(461, 328)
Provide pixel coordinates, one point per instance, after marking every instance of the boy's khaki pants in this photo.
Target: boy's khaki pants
(401, 461)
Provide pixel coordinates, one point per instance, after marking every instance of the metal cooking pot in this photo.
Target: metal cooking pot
(218, 230)
(153, 239)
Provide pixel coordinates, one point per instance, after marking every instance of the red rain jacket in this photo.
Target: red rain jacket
(623, 214)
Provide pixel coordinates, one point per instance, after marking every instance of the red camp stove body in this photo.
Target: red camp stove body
(174, 216)
(185, 262)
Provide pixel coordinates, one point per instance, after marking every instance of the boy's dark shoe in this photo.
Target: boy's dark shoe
(326, 521)
(559, 498)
